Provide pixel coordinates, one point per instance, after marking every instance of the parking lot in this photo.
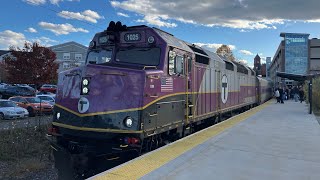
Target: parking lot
(27, 122)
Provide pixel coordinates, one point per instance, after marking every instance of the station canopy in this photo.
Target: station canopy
(296, 77)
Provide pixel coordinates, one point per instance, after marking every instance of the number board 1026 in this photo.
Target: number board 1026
(130, 37)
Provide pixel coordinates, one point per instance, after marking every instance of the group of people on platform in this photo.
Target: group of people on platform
(295, 93)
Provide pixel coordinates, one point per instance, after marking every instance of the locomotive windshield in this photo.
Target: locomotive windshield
(143, 56)
(99, 56)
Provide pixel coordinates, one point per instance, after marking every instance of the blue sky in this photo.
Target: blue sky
(248, 26)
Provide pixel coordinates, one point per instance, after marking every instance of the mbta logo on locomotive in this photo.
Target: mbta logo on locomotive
(83, 105)
(224, 89)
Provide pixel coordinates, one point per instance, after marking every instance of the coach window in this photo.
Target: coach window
(179, 69)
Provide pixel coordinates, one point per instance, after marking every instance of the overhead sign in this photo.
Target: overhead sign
(224, 89)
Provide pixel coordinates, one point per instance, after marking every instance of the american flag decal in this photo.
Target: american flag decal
(166, 84)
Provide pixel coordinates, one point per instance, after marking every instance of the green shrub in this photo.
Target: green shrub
(315, 94)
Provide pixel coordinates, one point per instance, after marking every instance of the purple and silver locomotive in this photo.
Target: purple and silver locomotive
(141, 88)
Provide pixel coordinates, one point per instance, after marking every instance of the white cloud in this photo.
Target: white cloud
(39, 2)
(246, 52)
(44, 41)
(31, 30)
(239, 14)
(146, 8)
(213, 46)
(243, 61)
(35, 2)
(10, 38)
(156, 20)
(247, 24)
(313, 21)
(122, 14)
(55, 2)
(87, 15)
(59, 29)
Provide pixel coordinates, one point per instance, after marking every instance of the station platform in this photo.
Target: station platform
(272, 141)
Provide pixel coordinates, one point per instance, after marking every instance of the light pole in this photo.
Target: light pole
(310, 95)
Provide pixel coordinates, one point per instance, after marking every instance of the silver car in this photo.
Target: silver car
(47, 98)
(9, 110)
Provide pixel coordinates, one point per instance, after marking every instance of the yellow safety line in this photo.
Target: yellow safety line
(139, 167)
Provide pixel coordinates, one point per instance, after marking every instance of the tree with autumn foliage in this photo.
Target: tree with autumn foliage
(225, 51)
(33, 64)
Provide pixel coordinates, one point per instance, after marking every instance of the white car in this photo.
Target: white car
(47, 98)
(9, 110)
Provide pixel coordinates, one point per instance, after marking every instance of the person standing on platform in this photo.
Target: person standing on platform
(277, 95)
(287, 94)
(296, 92)
(301, 94)
(281, 92)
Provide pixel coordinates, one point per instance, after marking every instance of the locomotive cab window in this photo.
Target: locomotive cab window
(176, 64)
(172, 56)
(137, 55)
(179, 69)
(99, 57)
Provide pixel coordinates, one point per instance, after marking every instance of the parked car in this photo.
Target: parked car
(9, 110)
(47, 98)
(25, 85)
(48, 88)
(46, 94)
(33, 105)
(3, 85)
(9, 91)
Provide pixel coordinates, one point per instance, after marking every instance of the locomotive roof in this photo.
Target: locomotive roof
(212, 55)
(173, 41)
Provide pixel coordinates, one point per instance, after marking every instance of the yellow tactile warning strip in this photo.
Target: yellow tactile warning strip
(139, 167)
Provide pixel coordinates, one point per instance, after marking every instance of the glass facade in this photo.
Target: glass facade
(296, 53)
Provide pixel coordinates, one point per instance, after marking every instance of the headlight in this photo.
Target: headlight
(128, 122)
(37, 106)
(85, 90)
(85, 82)
(58, 115)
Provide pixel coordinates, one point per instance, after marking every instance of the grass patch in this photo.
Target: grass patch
(23, 150)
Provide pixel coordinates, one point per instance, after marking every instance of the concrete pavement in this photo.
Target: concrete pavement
(281, 141)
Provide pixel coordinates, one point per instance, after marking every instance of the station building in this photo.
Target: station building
(296, 54)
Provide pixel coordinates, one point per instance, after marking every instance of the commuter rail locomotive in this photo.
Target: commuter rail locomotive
(141, 88)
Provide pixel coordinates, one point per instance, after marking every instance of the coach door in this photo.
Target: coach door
(189, 87)
(171, 110)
